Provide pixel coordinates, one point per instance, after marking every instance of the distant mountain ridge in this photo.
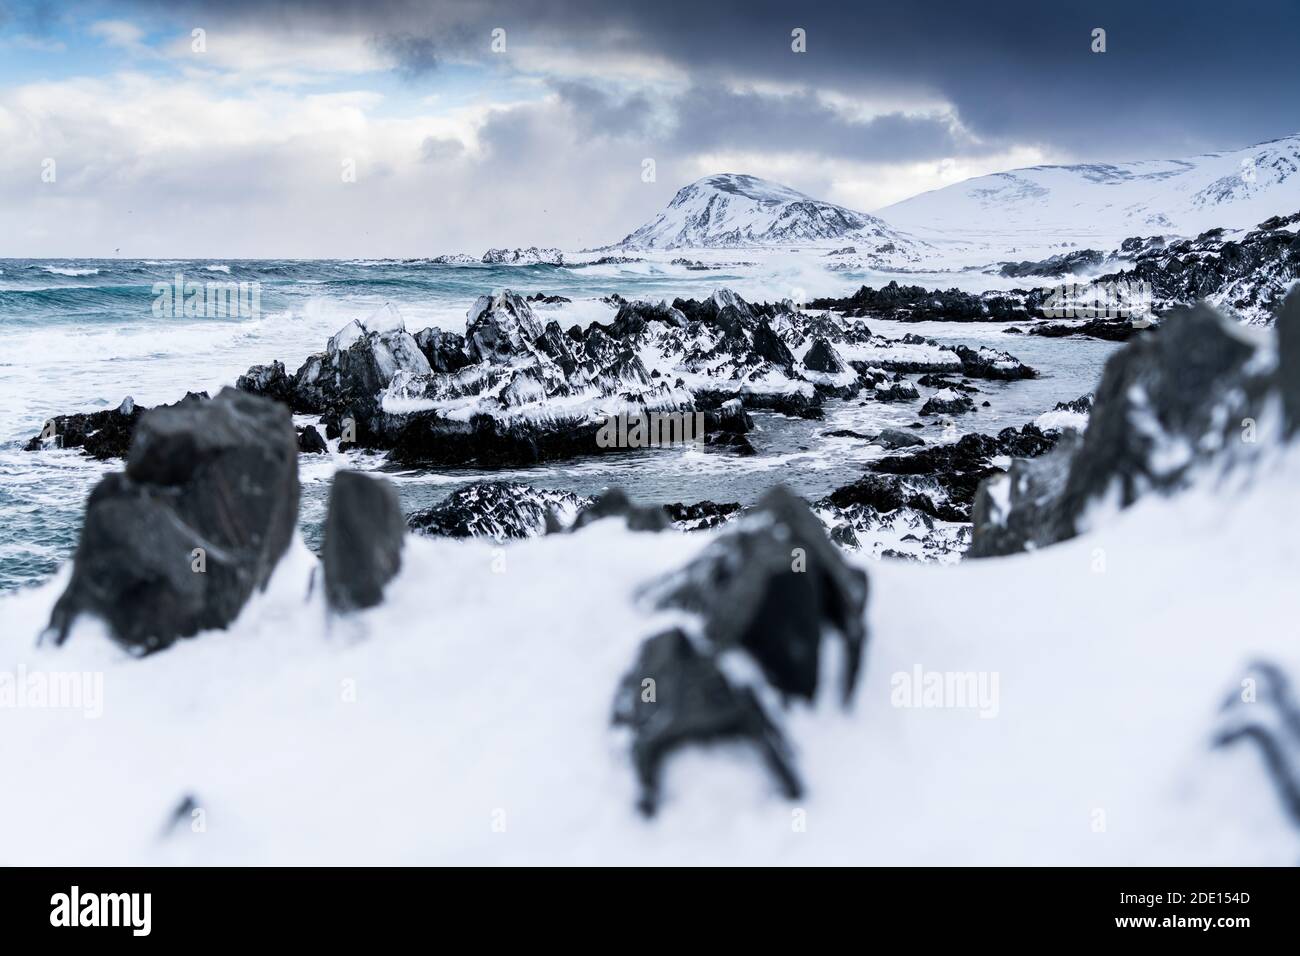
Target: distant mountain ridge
(1102, 204)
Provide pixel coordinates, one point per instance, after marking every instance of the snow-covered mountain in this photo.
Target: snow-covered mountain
(1101, 204)
(730, 210)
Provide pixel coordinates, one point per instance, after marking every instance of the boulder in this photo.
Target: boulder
(310, 441)
(771, 586)
(363, 538)
(615, 504)
(269, 381)
(673, 696)
(178, 542)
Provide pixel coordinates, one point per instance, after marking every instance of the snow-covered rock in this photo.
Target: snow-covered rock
(532, 256)
(1194, 395)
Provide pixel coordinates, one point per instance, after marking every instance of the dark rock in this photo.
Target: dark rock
(220, 476)
(615, 504)
(1272, 721)
(103, 434)
(896, 438)
(1079, 260)
(499, 327)
(947, 403)
(701, 515)
(1185, 386)
(1110, 330)
(363, 539)
(1288, 359)
(445, 351)
(310, 441)
(497, 509)
(822, 357)
(770, 585)
(674, 696)
(269, 381)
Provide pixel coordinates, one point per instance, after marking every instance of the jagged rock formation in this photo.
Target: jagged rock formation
(767, 589)
(498, 509)
(1248, 277)
(513, 391)
(1169, 403)
(204, 510)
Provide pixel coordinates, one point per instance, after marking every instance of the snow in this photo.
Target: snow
(466, 720)
(1024, 213)
(730, 210)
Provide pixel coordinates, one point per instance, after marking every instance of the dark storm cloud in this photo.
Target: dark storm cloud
(717, 118)
(416, 56)
(601, 112)
(1175, 76)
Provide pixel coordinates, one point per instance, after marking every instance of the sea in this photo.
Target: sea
(83, 334)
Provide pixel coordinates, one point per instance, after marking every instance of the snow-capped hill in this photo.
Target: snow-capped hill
(1103, 204)
(730, 210)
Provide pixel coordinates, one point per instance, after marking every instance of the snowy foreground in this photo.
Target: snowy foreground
(467, 719)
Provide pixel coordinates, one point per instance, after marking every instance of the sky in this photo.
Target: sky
(406, 128)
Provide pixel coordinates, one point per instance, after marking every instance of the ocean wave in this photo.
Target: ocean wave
(73, 273)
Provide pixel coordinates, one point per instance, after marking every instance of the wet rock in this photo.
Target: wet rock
(310, 441)
(701, 515)
(947, 402)
(103, 434)
(363, 538)
(178, 542)
(500, 510)
(445, 351)
(269, 381)
(897, 438)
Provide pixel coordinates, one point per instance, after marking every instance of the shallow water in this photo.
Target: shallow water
(79, 335)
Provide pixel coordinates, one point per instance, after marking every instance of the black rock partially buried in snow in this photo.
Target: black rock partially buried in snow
(769, 588)
(772, 585)
(178, 542)
(364, 534)
(1169, 402)
(673, 696)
